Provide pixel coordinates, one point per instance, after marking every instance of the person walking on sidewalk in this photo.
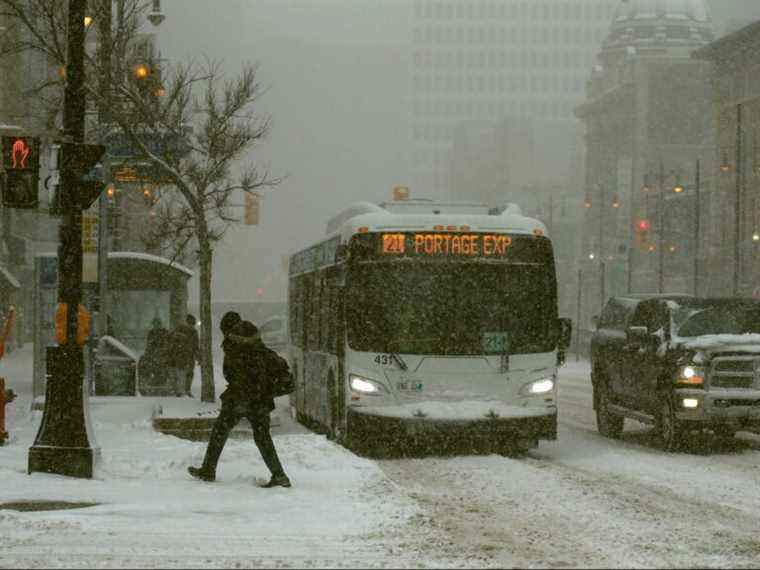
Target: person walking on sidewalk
(183, 347)
(248, 395)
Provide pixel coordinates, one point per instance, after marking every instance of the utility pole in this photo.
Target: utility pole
(738, 199)
(105, 15)
(661, 227)
(697, 221)
(602, 267)
(62, 445)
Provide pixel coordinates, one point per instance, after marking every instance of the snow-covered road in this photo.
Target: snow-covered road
(582, 501)
(587, 501)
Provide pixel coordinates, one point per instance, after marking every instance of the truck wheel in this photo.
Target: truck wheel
(669, 429)
(608, 424)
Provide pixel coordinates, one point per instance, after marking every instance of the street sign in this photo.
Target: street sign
(139, 172)
(162, 145)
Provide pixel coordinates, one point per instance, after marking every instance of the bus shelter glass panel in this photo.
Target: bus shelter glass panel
(134, 312)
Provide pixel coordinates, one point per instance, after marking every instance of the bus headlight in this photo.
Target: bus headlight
(542, 386)
(364, 385)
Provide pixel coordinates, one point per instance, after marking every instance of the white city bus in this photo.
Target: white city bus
(417, 324)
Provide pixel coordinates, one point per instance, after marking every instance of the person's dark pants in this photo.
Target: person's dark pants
(229, 416)
(189, 380)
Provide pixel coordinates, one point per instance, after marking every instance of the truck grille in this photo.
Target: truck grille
(735, 372)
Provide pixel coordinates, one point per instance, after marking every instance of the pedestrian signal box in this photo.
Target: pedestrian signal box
(21, 162)
(82, 175)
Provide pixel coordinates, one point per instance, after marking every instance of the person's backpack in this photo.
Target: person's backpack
(279, 374)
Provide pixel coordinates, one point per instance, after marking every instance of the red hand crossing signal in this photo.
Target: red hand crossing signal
(21, 153)
(21, 162)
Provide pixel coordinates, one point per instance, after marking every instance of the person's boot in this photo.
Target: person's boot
(277, 481)
(202, 473)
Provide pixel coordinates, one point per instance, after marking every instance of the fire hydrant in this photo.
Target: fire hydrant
(6, 397)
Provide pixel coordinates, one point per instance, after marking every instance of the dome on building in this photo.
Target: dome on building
(661, 23)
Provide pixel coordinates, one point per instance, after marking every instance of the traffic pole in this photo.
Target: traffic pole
(62, 445)
(3, 432)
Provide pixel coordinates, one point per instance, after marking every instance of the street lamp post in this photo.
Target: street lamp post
(62, 444)
(106, 56)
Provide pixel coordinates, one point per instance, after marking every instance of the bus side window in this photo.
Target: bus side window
(324, 314)
(332, 313)
(293, 309)
(312, 330)
(306, 317)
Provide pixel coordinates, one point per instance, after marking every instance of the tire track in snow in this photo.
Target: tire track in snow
(685, 525)
(558, 515)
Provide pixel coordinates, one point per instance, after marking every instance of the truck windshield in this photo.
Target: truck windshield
(457, 308)
(727, 319)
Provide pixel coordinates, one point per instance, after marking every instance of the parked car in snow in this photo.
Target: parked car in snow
(679, 363)
(274, 332)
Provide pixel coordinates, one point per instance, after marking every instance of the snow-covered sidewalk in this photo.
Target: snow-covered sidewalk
(150, 513)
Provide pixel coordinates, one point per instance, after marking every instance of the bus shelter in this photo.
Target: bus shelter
(146, 298)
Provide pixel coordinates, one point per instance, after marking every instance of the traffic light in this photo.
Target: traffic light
(642, 232)
(82, 176)
(251, 209)
(21, 161)
(400, 193)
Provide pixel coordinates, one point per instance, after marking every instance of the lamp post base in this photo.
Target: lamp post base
(64, 444)
(68, 461)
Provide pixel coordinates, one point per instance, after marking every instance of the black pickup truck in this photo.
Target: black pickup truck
(679, 363)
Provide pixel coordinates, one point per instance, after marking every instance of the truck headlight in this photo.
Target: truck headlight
(365, 385)
(690, 375)
(542, 386)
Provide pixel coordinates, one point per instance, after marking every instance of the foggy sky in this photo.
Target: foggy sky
(338, 79)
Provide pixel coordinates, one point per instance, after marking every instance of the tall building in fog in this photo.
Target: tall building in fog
(647, 119)
(481, 61)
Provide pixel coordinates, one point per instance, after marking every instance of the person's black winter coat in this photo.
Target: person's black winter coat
(183, 346)
(245, 365)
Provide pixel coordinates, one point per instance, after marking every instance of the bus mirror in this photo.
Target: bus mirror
(638, 337)
(341, 252)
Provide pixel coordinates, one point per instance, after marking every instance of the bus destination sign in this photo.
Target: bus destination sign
(445, 244)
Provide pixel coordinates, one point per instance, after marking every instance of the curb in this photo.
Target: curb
(198, 428)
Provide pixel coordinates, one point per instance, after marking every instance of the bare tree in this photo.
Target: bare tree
(206, 121)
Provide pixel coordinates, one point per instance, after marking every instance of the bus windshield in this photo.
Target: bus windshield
(451, 308)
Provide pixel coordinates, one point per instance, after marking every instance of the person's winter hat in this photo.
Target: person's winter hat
(229, 321)
(247, 329)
